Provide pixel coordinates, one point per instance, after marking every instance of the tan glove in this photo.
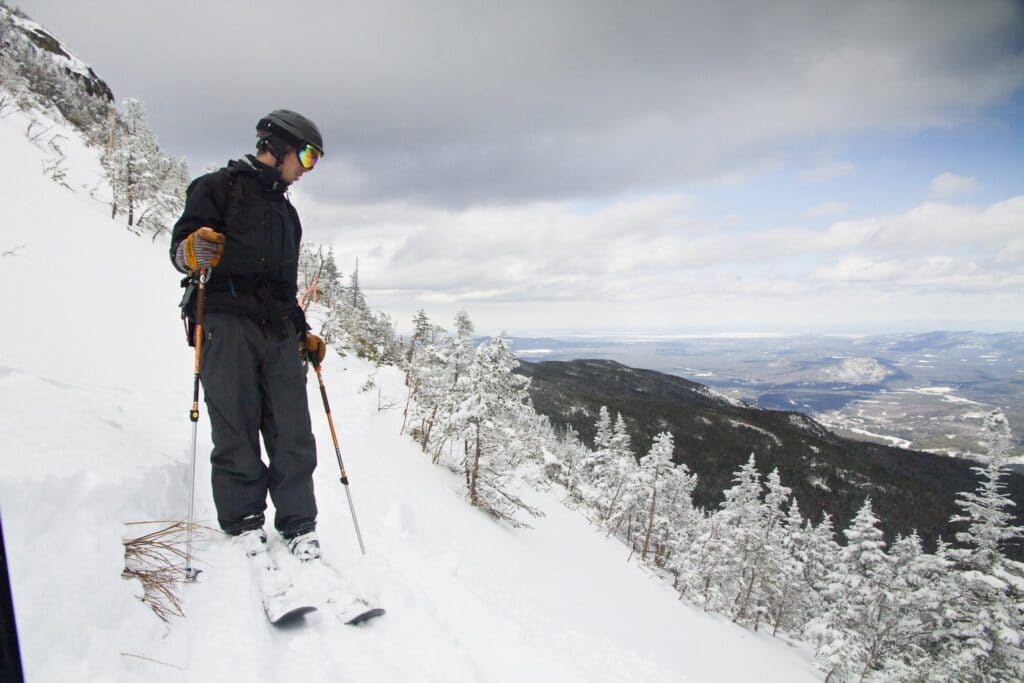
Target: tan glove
(202, 249)
(314, 349)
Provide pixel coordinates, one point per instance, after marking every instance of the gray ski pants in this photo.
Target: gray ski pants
(254, 383)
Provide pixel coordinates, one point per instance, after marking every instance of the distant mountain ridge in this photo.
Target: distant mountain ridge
(925, 391)
(714, 435)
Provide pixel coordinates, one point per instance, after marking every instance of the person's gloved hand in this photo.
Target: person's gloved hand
(202, 249)
(314, 349)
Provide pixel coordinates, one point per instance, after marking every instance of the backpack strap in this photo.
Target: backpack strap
(232, 190)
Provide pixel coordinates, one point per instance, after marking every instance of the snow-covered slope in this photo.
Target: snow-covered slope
(95, 386)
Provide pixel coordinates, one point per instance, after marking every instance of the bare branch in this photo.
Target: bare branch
(157, 560)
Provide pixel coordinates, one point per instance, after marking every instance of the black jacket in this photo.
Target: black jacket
(258, 272)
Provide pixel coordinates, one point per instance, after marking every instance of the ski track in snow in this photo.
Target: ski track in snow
(745, 425)
(94, 395)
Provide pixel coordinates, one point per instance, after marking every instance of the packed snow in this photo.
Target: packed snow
(94, 435)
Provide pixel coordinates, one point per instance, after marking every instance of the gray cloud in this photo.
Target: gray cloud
(655, 249)
(555, 166)
(458, 103)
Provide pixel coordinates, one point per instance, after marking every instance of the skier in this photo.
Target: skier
(240, 229)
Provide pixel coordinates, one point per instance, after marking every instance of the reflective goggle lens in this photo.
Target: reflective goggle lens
(308, 156)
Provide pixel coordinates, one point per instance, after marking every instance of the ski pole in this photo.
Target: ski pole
(204, 274)
(337, 451)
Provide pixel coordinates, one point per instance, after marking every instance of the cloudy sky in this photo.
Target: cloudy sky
(587, 167)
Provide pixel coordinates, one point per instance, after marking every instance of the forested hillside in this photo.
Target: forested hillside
(910, 490)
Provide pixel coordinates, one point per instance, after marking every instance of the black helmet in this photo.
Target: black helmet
(290, 127)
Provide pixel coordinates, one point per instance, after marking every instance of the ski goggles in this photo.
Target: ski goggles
(308, 156)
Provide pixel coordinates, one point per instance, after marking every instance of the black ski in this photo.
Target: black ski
(283, 602)
(347, 607)
(353, 611)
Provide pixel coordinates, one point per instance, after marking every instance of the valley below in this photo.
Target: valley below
(927, 392)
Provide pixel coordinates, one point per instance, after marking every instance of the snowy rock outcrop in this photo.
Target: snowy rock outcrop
(855, 371)
(41, 39)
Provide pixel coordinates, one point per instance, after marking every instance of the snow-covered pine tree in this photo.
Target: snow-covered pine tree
(986, 632)
(570, 452)
(537, 444)
(821, 572)
(487, 422)
(130, 160)
(595, 468)
(616, 473)
(422, 334)
(820, 557)
(370, 335)
(787, 591)
(345, 318)
(654, 473)
(700, 565)
(147, 186)
(320, 282)
(712, 555)
(620, 441)
(767, 565)
(426, 376)
(743, 517)
(167, 200)
(330, 286)
(603, 430)
(936, 593)
(859, 602)
(677, 523)
(459, 354)
(906, 633)
(430, 393)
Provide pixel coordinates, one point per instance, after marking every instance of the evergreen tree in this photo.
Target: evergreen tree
(431, 397)
(597, 470)
(131, 161)
(860, 602)
(425, 371)
(987, 628)
(743, 517)
(167, 197)
(571, 454)
(785, 586)
(615, 475)
(675, 526)
(702, 566)
(595, 466)
(770, 563)
(819, 559)
(653, 475)
(422, 334)
(487, 421)
(459, 355)
(907, 635)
